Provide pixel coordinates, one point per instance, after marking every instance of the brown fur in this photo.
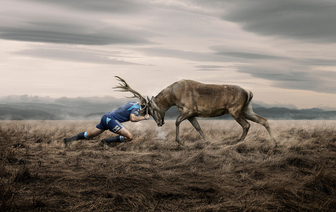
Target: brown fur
(194, 99)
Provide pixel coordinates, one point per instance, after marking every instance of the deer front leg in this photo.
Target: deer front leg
(179, 119)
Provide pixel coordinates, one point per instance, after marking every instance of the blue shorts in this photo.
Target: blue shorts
(111, 124)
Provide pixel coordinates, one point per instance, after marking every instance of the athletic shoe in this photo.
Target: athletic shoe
(104, 144)
(67, 142)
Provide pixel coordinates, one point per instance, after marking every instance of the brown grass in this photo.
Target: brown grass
(154, 173)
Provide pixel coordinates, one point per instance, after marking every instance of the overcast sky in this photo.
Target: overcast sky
(284, 51)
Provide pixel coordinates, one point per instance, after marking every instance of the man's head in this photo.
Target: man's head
(144, 108)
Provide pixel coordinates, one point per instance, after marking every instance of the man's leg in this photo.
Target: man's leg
(124, 135)
(83, 135)
(95, 132)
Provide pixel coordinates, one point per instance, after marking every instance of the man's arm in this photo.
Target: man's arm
(135, 118)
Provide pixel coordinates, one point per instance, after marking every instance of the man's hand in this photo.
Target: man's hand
(135, 118)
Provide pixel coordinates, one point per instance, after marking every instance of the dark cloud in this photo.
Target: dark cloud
(124, 6)
(75, 36)
(74, 56)
(249, 56)
(216, 56)
(185, 55)
(210, 67)
(299, 19)
(318, 62)
(311, 80)
(74, 27)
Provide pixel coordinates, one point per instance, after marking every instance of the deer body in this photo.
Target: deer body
(194, 99)
(201, 99)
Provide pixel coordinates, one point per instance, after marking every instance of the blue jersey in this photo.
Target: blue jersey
(123, 113)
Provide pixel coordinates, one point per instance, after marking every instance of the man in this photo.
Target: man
(112, 121)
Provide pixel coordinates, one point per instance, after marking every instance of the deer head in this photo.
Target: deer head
(155, 112)
(124, 87)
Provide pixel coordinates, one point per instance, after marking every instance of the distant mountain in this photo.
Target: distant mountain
(7, 113)
(295, 114)
(36, 108)
(30, 108)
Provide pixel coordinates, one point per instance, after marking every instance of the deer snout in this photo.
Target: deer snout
(160, 123)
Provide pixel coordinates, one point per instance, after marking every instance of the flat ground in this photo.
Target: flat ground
(154, 173)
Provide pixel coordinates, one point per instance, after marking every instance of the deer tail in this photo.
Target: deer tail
(249, 97)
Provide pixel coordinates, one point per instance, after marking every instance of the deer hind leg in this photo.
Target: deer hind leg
(195, 123)
(250, 115)
(239, 117)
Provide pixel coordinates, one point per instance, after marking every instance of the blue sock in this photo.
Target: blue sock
(118, 139)
(80, 136)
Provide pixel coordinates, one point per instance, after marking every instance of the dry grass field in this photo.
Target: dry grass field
(154, 173)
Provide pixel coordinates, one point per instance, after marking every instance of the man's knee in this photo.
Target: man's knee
(129, 137)
(127, 134)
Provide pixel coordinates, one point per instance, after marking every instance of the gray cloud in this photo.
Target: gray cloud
(311, 80)
(249, 56)
(185, 55)
(318, 62)
(76, 36)
(124, 6)
(216, 56)
(211, 67)
(73, 55)
(68, 26)
(299, 19)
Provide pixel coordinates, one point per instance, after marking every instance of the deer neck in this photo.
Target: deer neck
(164, 100)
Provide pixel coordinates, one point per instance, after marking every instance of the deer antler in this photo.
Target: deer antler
(124, 87)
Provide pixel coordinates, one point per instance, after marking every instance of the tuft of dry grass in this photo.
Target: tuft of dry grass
(154, 173)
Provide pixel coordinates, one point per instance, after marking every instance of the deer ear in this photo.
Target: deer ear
(153, 104)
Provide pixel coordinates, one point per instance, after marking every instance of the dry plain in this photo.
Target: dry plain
(154, 173)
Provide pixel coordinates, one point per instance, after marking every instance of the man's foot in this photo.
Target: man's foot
(104, 144)
(67, 142)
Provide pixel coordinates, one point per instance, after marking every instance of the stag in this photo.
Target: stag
(194, 99)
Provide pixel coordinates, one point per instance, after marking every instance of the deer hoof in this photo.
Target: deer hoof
(207, 143)
(179, 142)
